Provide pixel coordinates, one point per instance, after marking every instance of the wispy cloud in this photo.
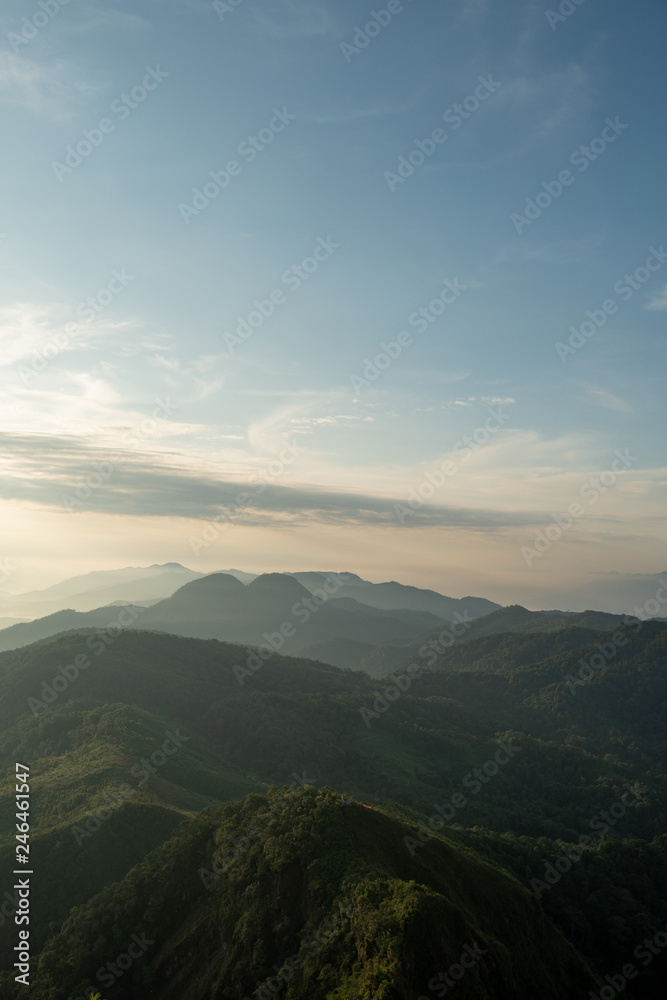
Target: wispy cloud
(660, 301)
(41, 469)
(48, 331)
(46, 90)
(601, 397)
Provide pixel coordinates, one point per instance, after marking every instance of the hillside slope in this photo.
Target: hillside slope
(326, 899)
(379, 660)
(289, 722)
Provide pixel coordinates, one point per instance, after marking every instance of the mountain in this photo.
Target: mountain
(397, 596)
(276, 608)
(383, 659)
(358, 655)
(240, 607)
(90, 591)
(241, 575)
(324, 902)
(150, 729)
(25, 633)
(219, 606)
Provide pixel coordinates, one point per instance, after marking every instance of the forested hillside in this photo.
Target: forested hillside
(499, 739)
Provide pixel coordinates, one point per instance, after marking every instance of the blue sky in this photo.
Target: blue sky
(219, 77)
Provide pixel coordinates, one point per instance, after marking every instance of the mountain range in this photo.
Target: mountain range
(322, 608)
(225, 817)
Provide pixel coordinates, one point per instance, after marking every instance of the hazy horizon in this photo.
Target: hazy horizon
(614, 593)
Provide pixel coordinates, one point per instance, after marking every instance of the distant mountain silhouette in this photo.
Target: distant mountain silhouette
(92, 590)
(277, 605)
(397, 596)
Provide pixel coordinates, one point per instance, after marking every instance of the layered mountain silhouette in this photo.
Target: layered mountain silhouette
(92, 590)
(220, 606)
(397, 596)
(380, 659)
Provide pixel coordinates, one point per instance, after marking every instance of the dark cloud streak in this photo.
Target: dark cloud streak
(41, 469)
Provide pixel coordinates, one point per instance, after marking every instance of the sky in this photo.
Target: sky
(216, 218)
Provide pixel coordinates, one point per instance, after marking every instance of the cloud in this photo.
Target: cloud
(42, 469)
(601, 397)
(28, 329)
(103, 18)
(45, 90)
(660, 301)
